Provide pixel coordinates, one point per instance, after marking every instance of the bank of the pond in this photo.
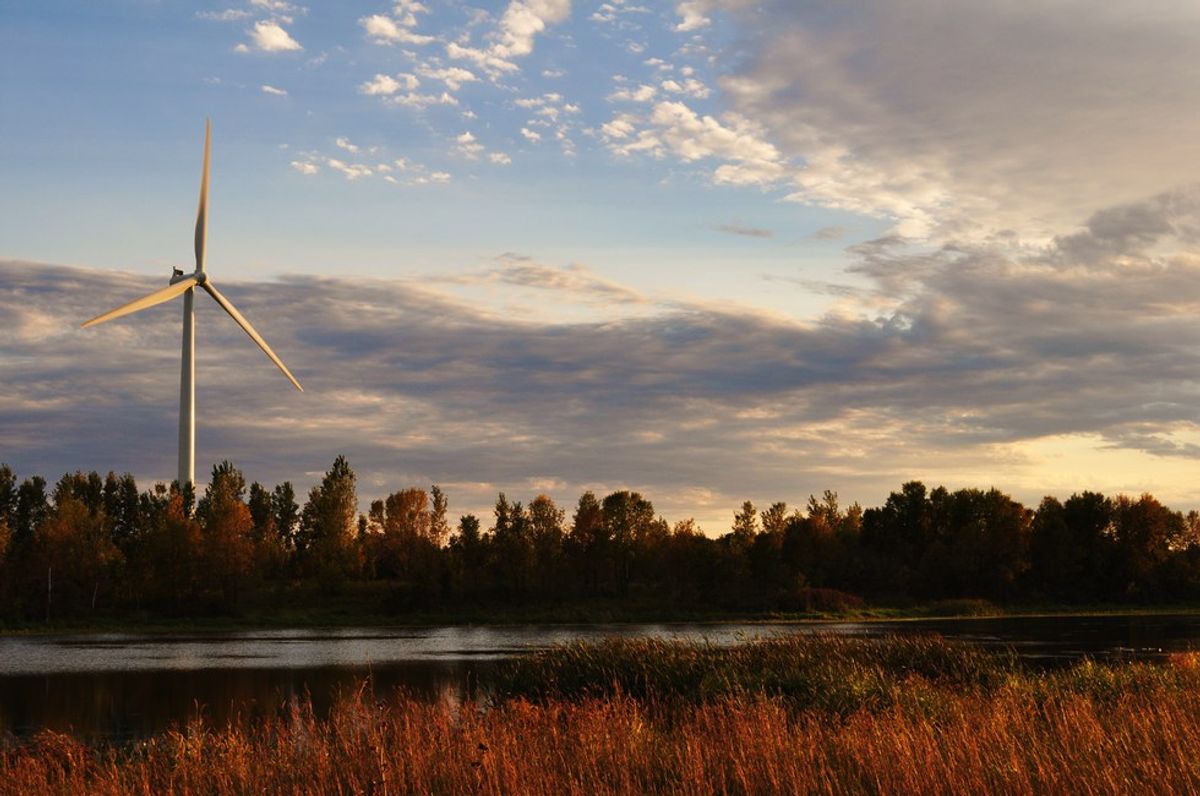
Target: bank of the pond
(360, 608)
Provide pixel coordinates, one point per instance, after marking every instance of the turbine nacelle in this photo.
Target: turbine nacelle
(179, 276)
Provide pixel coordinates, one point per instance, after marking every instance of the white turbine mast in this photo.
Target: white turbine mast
(185, 284)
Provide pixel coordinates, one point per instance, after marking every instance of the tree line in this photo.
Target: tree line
(99, 544)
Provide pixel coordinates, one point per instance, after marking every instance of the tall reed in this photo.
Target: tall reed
(948, 726)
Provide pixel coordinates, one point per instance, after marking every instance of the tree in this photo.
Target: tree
(286, 513)
(32, 507)
(467, 555)
(546, 531)
(628, 517)
(439, 528)
(775, 518)
(166, 564)
(122, 506)
(228, 545)
(1144, 531)
(75, 554)
(512, 549)
(398, 530)
(825, 508)
(327, 526)
(8, 495)
(745, 525)
(259, 503)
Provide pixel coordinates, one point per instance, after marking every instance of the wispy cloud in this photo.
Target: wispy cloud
(736, 228)
(228, 15)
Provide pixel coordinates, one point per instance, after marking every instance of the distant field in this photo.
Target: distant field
(799, 714)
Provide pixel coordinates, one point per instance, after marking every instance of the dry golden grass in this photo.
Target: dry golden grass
(1133, 729)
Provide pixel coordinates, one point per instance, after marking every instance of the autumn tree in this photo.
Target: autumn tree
(439, 526)
(75, 552)
(8, 505)
(228, 544)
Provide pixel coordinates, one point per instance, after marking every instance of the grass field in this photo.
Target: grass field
(800, 715)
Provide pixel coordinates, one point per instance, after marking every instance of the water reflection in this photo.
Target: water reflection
(120, 686)
(118, 705)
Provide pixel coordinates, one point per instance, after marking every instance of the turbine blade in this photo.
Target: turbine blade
(157, 297)
(248, 329)
(202, 211)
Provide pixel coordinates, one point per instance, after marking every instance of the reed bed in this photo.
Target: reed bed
(945, 727)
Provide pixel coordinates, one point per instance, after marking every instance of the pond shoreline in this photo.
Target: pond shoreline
(569, 616)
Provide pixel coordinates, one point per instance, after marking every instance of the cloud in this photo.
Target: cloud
(452, 76)
(516, 30)
(530, 135)
(270, 37)
(344, 143)
(384, 85)
(960, 120)
(468, 146)
(278, 92)
(499, 158)
(278, 6)
(643, 93)
(353, 171)
(692, 15)
(751, 160)
(487, 60)
(228, 15)
(961, 363)
(306, 167)
(832, 232)
(735, 228)
(523, 20)
(384, 30)
(690, 87)
(416, 100)
(522, 271)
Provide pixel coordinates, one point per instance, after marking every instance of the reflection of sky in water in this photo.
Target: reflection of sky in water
(365, 647)
(314, 648)
(120, 686)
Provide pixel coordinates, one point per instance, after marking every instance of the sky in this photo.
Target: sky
(711, 250)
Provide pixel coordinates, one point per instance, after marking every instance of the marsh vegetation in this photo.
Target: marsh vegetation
(796, 714)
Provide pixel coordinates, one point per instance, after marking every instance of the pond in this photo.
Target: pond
(122, 686)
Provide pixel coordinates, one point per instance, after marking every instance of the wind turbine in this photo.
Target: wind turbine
(185, 285)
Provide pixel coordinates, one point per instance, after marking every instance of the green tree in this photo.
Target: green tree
(512, 549)
(547, 534)
(8, 495)
(31, 509)
(286, 513)
(328, 524)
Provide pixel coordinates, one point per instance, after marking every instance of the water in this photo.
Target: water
(121, 686)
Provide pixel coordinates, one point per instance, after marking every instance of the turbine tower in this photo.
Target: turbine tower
(186, 284)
